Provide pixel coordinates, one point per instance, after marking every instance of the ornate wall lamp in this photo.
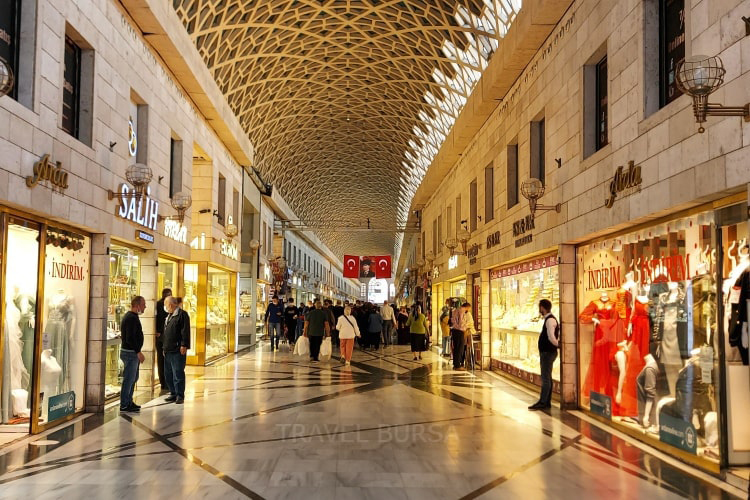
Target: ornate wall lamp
(137, 174)
(699, 77)
(6, 78)
(532, 190)
(180, 202)
(254, 246)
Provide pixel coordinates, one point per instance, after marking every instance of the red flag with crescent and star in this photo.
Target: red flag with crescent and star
(351, 266)
(383, 266)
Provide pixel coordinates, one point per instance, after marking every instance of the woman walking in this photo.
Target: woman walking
(417, 324)
(403, 330)
(374, 326)
(348, 329)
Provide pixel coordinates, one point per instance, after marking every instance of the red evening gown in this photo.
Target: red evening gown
(639, 347)
(597, 377)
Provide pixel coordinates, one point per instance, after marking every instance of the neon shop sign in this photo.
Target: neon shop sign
(143, 211)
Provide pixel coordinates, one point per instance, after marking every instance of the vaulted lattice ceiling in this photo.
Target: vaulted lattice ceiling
(347, 102)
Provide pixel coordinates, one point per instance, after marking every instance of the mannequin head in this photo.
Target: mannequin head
(604, 297)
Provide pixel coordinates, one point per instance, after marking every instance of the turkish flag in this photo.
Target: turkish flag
(351, 266)
(383, 266)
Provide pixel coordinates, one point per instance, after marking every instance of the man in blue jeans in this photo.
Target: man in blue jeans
(274, 321)
(176, 345)
(130, 352)
(549, 342)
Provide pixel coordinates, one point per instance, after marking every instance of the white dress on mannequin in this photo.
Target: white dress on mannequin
(50, 378)
(15, 375)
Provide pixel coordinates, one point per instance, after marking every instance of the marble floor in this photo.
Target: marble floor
(274, 426)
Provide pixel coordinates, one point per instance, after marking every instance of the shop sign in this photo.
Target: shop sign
(605, 278)
(472, 253)
(601, 404)
(674, 267)
(61, 405)
(452, 262)
(144, 212)
(144, 236)
(520, 227)
(45, 170)
(524, 267)
(624, 182)
(228, 249)
(493, 239)
(175, 231)
(66, 271)
(677, 432)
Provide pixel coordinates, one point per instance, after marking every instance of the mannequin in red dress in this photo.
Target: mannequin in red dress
(638, 347)
(602, 314)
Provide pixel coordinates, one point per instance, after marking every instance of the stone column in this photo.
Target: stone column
(568, 324)
(484, 277)
(149, 270)
(97, 328)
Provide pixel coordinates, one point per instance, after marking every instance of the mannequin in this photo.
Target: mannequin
(50, 378)
(58, 332)
(673, 332)
(737, 291)
(15, 376)
(619, 345)
(638, 348)
(594, 313)
(26, 304)
(693, 398)
(646, 383)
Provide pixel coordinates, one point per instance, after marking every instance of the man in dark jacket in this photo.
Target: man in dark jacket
(176, 344)
(161, 317)
(130, 352)
(274, 321)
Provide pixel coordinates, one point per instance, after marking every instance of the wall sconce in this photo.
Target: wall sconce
(699, 77)
(254, 246)
(532, 190)
(231, 229)
(180, 202)
(6, 78)
(451, 244)
(463, 237)
(137, 174)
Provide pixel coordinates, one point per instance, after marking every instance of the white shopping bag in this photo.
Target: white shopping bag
(302, 347)
(325, 348)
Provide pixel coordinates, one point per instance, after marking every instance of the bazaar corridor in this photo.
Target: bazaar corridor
(263, 425)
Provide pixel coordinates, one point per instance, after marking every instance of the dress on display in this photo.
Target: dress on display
(739, 313)
(26, 304)
(692, 396)
(607, 334)
(646, 386)
(15, 375)
(638, 348)
(57, 334)
(672, 337)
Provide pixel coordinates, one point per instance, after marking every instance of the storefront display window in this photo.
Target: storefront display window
(124, 284)
(648, 332)
(458, 289)
(20, 319)
(190, 302)
(217, 313)
(515, 322)
(167, 276)
(66, 297)
(260, 308)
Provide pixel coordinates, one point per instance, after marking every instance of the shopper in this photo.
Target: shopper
(291, 313)
(445, 329)
(161, 316)
(389, 323)
(417, 324)
(328, 308)
(301, 319)
(338, 311)
(316, 327)
(374, 326)
(130, 352)
(347, 327)
(274, 316)
(549, 342)
(176, 345)
(403, 330)
(458, 333)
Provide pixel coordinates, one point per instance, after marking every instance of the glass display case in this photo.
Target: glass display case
(260, 308)
(190, 303)
(167, 276)
(217, 313)
(515, 322)
(124, 284)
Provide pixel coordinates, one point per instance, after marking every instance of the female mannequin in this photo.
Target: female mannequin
(59, 331)
(675, 316)
(50, 378)
(15, 375)
(638, 348)
(646, 383)
(603, 314)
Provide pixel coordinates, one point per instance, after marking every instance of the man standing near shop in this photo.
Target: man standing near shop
(458, 334)
(130, 352)
(274, 317)
(316, 327)
(389, 322)
(291, 314)
(549, 341)
(161, 316)
(176, 345)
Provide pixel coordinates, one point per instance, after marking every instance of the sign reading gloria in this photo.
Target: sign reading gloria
(144, 212)
(624, 182)
(45, 170)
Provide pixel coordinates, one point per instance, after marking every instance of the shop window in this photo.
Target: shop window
(17, 47)
(124, 284)
(489, 194)
(221, 200)
(190, 303)
(175, 166)
(595, 102)
(167, 276)
(664, 47)
(473, 206)
(515, 325)
(78, 87)
(217, 313)
(512, 175)
(137, 130)
(648, 340)
(537, 150)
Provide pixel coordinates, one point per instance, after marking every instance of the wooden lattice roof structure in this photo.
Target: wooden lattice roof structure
(347, 101)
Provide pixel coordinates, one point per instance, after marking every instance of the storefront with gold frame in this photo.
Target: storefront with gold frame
(43, 350)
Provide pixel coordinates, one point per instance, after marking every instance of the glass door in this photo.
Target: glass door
(19, 325)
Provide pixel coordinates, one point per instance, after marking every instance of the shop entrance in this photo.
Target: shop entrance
(45, 272)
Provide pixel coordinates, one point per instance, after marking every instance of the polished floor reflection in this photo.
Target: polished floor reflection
(274, 426)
